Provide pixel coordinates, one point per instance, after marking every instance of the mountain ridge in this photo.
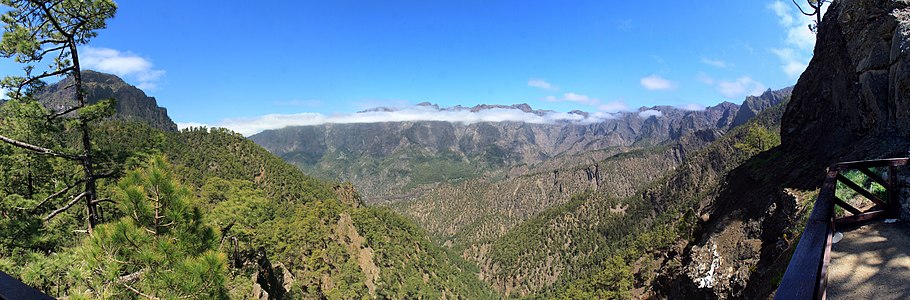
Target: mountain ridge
(395, 151)
(132, 103)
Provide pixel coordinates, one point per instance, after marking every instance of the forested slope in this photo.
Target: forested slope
(245, 223)
(602, 246)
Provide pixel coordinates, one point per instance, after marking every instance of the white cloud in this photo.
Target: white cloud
(783, 13)
(715, 63)
(801, 37)
(741, 87)
(250, 126)
(794, 64)
(614, 106)
(657, 83)
(650, 113)
(704, 78)
(576, 97)
(691, 107)
(127, 65)
(542, 84)
(731, 89)
(573, 97)
(799, 40)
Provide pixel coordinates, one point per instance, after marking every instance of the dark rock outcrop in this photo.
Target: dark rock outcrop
(851, 103)
(858, 82)
(132, 103)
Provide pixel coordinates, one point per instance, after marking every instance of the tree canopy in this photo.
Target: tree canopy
(49, 32)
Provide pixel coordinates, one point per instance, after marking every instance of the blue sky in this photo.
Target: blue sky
(227, 62)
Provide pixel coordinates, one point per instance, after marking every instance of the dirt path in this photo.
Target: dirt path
(871, 262)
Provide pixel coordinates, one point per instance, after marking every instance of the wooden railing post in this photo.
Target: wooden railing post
(807, 273)
(894, 206)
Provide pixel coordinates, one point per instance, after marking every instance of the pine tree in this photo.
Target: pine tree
(38, 31)
(160, 248)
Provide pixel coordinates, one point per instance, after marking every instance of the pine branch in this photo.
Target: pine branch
(67, 206)
(131, 276)
(43, 75)
(57, 194)
(103, 200)
(137, 291)
(68, 110)
(50, 16)
(803, 11)
(39, 150)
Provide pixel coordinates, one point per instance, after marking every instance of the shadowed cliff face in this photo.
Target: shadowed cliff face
(132, 103)
(851, 103)
(858, 82)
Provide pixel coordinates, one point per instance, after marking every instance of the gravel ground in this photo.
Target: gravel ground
(871, 262)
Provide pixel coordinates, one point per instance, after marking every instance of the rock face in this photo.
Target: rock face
(132, 103)
(851, 103)
(858, 82)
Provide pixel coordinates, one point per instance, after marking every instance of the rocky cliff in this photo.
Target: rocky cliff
(858, 82)
(132, 103)
(851, 103)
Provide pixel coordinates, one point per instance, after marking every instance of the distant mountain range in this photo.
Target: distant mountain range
(385, 160)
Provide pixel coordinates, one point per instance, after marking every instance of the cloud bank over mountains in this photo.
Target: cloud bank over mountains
(420, 112)
(126, 65)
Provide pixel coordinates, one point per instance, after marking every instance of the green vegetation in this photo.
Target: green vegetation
(236, 201)
(92, 207)
(159, 247)
(852, 197)
(49, 34)
(596, 251)
(439, 170)
(758, 139)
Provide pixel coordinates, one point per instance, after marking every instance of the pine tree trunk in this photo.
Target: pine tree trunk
(88, 169)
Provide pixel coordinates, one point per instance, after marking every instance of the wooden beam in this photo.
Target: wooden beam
(802, 278)
(876, 178)
(846, 206)
(806, 275)
(866, 216)
(849, 183)
(894, 207)
(821, 290)
(888, 162)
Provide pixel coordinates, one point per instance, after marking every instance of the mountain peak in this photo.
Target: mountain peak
(132, 103)
(102, 78)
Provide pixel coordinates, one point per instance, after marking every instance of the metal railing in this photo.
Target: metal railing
(807, 274)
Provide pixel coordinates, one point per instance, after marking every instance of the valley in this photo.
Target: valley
(576, 191)
(342, 188)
